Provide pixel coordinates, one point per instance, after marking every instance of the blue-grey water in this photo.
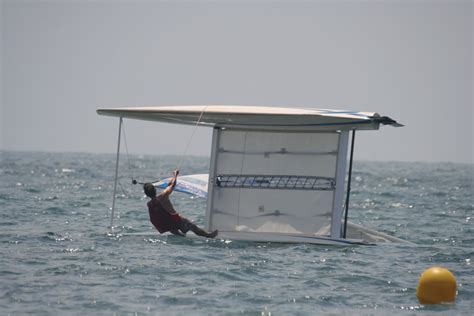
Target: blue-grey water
(57, 258)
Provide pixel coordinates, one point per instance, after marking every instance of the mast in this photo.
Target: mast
(349, 183)
(116, 176)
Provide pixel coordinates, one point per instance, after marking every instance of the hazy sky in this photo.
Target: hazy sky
(411, 60)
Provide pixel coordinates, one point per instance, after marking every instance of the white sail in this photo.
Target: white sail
(195, 184)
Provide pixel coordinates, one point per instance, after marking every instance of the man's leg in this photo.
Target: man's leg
(177, 232)
(187, 225)
(201, 232)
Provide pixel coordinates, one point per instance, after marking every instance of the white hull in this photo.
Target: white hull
(290, 238)
(355, 231)
(356, 235)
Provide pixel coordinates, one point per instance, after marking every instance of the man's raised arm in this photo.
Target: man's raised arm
(172, 183)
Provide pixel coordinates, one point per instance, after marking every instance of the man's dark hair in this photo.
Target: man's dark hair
(150, 190)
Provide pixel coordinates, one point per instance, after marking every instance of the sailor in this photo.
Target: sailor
(164, 217)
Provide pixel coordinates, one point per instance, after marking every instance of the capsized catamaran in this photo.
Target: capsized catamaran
(276, 174)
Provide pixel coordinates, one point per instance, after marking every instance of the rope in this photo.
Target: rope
(190, 139)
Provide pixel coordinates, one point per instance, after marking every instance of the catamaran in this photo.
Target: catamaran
(276, 174)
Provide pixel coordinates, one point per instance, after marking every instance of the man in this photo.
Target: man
(164, 217)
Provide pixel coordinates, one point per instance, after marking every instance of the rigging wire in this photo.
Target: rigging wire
(241, 169)
(116, 176)
(125, 193)
(130, 171)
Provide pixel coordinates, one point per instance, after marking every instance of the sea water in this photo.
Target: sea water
(56, 256)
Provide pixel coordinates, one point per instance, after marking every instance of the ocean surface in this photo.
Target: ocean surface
(56, 256)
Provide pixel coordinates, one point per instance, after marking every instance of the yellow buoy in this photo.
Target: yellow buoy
(437, 285)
